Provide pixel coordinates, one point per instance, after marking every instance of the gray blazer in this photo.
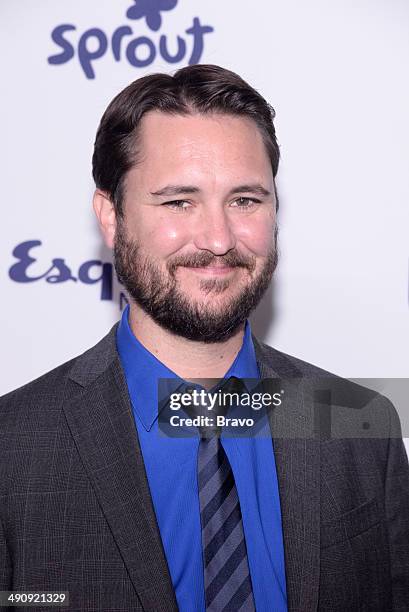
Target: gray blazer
(76, 512)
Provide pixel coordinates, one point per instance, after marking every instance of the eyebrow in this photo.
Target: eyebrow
(173, 190)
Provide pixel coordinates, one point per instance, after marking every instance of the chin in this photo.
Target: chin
(203, 296)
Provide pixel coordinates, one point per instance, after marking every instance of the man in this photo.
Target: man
(94, 501)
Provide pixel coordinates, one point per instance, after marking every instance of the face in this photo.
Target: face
(196, 247)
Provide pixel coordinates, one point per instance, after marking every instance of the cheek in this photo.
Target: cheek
(165, 236)
(256, 234)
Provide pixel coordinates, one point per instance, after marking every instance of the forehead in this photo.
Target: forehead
(201, 144)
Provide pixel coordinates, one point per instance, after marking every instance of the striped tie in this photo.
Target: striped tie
(226, 572)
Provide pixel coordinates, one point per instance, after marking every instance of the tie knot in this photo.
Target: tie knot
(207, 406)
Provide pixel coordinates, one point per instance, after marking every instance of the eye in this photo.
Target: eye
(181, 205)
(244, 203)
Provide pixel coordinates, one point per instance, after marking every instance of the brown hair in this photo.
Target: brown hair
(201, 88)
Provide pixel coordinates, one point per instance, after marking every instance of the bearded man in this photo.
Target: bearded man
(93, 501)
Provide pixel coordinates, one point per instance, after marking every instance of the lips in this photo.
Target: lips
(214, 270)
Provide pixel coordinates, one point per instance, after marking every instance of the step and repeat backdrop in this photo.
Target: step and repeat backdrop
(336, 75)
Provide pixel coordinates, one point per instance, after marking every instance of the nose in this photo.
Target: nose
(214, 232)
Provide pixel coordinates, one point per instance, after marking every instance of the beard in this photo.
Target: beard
(158, 294)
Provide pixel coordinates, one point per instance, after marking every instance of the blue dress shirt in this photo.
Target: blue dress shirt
(171, 467)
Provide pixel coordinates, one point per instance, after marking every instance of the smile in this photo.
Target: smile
(214, 270)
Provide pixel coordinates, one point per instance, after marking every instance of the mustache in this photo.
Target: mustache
(232, 259)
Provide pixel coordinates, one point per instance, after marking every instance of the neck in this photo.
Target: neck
(188, 359)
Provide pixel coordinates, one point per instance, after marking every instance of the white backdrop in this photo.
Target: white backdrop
(336, 74)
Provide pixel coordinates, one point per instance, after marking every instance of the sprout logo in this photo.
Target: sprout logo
(139, 51)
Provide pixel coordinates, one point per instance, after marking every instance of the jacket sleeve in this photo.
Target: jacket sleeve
(397, 514)
(5, 558)
(5, 562)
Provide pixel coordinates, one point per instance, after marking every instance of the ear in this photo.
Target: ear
(105, 212)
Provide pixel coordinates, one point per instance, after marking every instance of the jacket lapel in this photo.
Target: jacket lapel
(297, 455)
(100, 418)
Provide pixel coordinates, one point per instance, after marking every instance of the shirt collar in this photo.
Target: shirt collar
(142, 370)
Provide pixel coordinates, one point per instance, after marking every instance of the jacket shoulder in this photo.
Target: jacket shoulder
(47, 390)
(283, 362)
(348, 399)
(49, 380)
